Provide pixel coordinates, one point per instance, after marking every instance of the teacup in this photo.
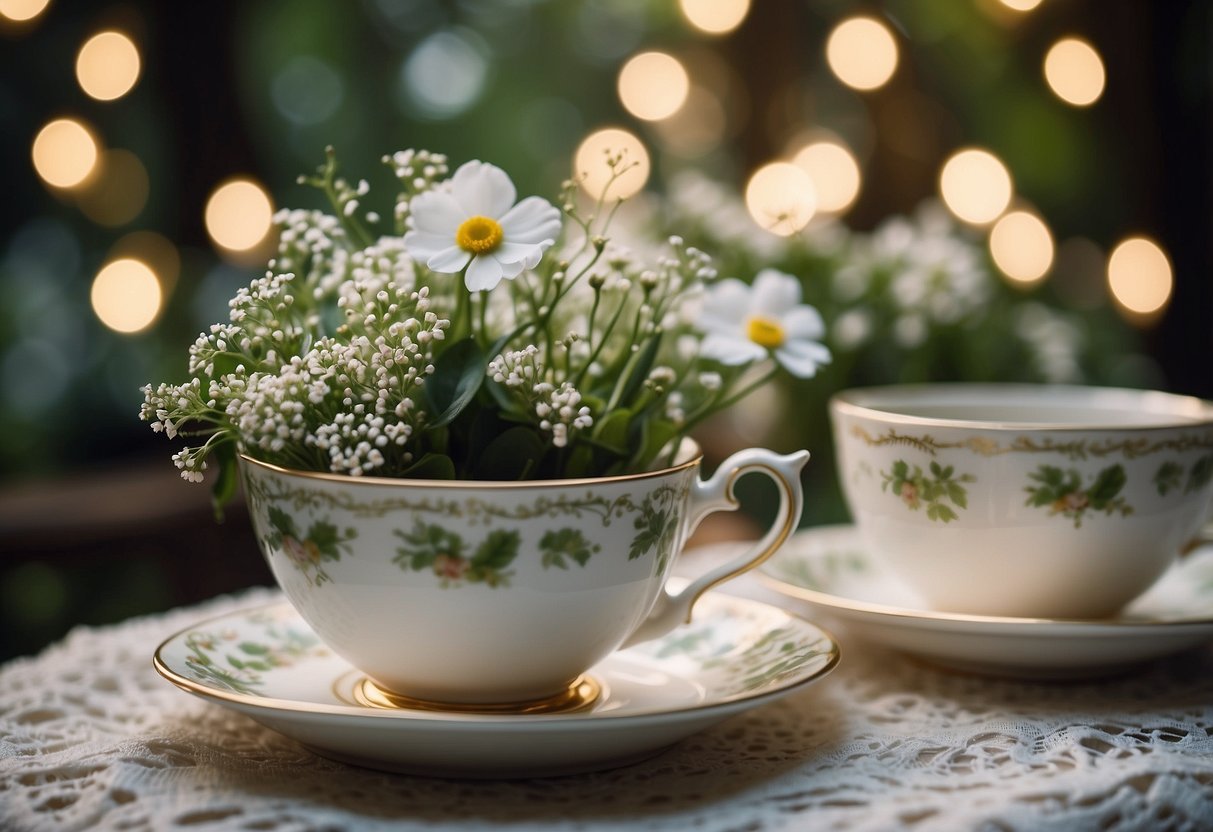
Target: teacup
(1025, 500)
(495, 596)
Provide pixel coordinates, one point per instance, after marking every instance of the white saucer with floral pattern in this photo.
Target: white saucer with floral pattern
(737, 654)
(831, 571)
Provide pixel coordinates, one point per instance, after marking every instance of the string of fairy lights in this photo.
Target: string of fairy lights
(818, 178)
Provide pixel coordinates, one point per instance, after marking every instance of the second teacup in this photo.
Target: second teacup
(1025, 500)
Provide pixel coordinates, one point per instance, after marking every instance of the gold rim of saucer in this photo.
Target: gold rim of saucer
(581, 695)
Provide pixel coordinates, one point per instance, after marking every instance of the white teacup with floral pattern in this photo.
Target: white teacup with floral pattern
(496, 596)
(1025, 500)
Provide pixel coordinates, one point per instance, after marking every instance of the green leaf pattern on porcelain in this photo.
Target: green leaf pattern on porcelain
(224, 660)
(933, 490)
(449, 554)
(1063, 492)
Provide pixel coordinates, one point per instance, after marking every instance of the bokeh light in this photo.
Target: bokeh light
(1139, 275)
(156, 250)
(975, 186)
(118, 193)
(835, 174)
(715, 17)
(1021, 5)
(307, 90)
(592, 171)
(1075, 72)
(445, 74)
(126, 296)
(653, 85)
(21, 11)
(862, 53)
(107, 65)
(65, 153)
(781, 198)
(238, 214)
(1022, 247)
(698, 127)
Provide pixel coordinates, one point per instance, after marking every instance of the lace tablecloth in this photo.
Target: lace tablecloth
(91, 738)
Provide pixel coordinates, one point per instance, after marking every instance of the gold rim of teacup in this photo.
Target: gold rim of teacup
(1189, 412)
(689, 447)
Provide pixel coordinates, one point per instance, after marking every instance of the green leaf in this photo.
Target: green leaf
(326, 537)
(937, 471)
(498, 550)
(957, 495)
(253, 649)
(944, 513)
(655, 434)
(458, 374)
(635, 372)
(226, 478)
(1107, 485)
(512, 455)
(901, 470)
(431, 467)
(282, 522)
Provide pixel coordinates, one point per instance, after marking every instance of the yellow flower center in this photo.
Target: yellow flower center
(478, 235)
(765, 332)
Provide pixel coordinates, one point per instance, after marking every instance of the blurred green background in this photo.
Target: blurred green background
(113, 159)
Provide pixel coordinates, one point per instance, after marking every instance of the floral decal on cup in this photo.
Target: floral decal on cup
(449, 556)
(230, 662)
(656, 526)
(323, 541)
(1063, 492)
(561, 546)
(934, 491)
(1170, 476)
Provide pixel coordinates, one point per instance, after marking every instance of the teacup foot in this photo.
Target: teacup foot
(581, 695)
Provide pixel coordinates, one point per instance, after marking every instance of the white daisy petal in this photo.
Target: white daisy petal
(804, 322)
(511, 270)
(483, 274)
(482, 189)
(729, 348)
(802, 358)
(422, 245)
(435, 212)
(448, 261)
(534, 220)
(525, 253)
(728, 300)
(774, 293)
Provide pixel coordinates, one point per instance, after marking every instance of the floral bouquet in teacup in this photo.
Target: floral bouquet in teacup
(491, 396)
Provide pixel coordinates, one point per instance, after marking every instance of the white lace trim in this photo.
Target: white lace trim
(91, 738)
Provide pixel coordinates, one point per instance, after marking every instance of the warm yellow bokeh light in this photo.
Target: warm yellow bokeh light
(591, 168)
(1021, 5)
(861, 51)
(65, 153)
(22, 10)
(835, 174)
(716, 17)
(1075, 72)
(1139, 275)
(126, 295)
(975, 186)
(653, 85)
(239, 214)
(1022, 247)
(107, 66)
(781, 198)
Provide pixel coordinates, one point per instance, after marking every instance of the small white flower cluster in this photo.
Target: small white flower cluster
(558, 411)
(517, 369)
(308, 242)
(418, 172)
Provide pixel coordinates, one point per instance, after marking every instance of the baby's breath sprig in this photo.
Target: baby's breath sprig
(458, 347)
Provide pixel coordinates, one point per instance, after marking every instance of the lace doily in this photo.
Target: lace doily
(91, 738)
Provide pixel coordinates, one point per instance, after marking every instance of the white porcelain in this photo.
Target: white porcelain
(469, 592)
(831, 571)
(737, 655)
(1025, 500)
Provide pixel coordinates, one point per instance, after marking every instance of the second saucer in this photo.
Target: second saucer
(831, 570)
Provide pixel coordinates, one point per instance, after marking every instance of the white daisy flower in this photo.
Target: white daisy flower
(474, 223)
(744, 324)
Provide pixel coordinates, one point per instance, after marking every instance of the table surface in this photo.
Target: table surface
(92, 738)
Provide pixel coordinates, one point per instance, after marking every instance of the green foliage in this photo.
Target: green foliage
(1167, 477)
(1201, 474)
(444, 552)
(558, 547)
(1062, 491)
(656, 527)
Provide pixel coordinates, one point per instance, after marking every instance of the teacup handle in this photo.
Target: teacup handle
(716, 494)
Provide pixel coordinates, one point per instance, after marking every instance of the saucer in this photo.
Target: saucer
(737, 654)
(831, 571)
